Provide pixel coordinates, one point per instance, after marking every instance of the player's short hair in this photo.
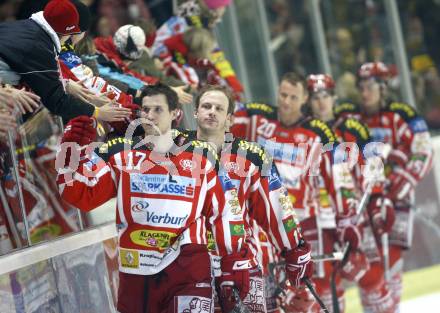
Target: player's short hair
(294, 79)
(161, 89)
(225, 90)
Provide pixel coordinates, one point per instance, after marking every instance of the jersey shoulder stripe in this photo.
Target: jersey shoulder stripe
(409, 115)
(321, 129)
(186, 140)
(202, 148)
(404, 110)
(253, 151)
(114, 146)
(182, 136)
(176, 132)
(256, 108)
(358, 129)
(346, 108)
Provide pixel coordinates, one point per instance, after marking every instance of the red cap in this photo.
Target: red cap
(317, 82)
(62, 16)
(376, 70)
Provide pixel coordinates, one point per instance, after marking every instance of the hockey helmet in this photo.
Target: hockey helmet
(376, 70)
(318, 82)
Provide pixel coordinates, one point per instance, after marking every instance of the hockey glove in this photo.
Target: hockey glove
(382, 215)
(401, 183)
(356, 266)
(235, 274)
(347, 232)
(80, 130)
(121, 127)
(298, 263)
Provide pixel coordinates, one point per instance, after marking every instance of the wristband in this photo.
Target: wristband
(96, 113)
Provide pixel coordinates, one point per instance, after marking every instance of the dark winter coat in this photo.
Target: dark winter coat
(30, 48)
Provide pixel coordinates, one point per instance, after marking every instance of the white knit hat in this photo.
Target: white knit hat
(130, 47)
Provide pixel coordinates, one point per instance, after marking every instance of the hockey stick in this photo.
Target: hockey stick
(315, 295)
(363, 202)
(335, 256)
(385, 248)
(239, 307)
(347, 247)
(345, 252)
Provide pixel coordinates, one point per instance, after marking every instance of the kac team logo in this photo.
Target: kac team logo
(231, 167)
(188, 165)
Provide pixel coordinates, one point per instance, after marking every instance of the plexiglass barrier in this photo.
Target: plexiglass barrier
(32, 211)
(71, 274)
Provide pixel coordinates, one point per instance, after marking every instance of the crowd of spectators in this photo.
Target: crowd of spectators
(63, 58)
(356, 32)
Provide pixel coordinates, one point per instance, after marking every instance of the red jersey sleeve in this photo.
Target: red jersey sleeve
(273, 211)
(226, 220)
(89, 185)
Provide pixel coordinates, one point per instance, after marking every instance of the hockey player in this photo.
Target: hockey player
(166, 196)
(261, 196)
(398, 126)
(295, 140)
(353, 133)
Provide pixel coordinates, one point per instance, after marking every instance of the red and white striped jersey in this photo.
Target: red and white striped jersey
(261, 195)
(405, 132)
(164, 201)
(318, 181)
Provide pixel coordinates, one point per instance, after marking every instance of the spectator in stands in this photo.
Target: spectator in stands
(210, 11)
(147, 64)
(117, 53)
(28, 51)
(112, 14)
(182, 52)
(205, 14)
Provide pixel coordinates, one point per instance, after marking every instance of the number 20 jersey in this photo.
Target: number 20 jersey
(319, 183)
